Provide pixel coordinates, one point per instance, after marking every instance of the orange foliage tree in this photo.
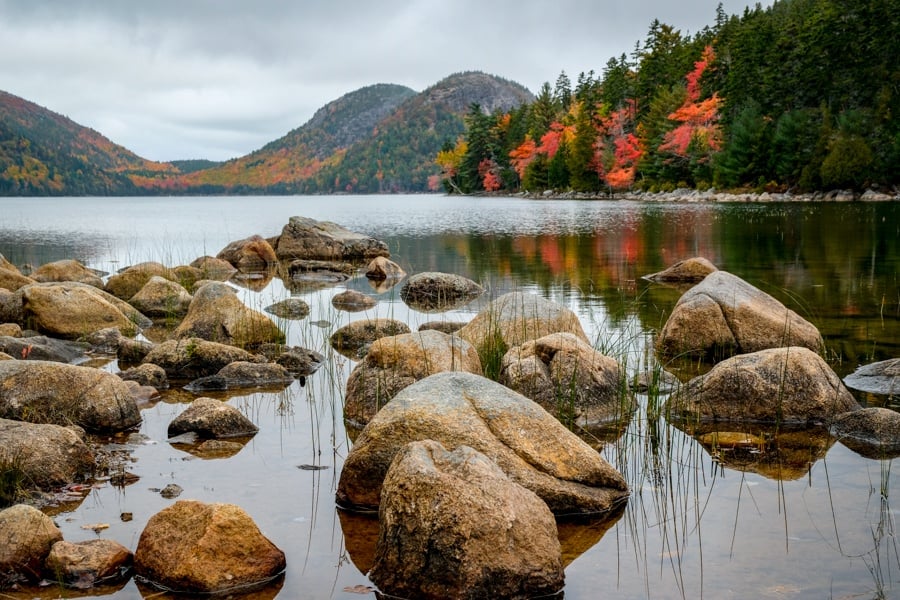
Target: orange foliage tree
(699, 134)
(618, 149)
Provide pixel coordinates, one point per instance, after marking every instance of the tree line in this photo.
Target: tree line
(798, 96)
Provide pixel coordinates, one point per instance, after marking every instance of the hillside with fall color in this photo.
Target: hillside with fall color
(43, 153)
(380, 138)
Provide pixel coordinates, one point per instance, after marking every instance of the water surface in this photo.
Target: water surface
(803, 517)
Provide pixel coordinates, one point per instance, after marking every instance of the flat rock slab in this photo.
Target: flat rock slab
(307, 238)
(882, 378)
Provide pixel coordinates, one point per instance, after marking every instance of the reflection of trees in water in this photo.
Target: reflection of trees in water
(838, 265)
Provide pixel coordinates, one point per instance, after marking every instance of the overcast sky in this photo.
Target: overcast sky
(218, 79)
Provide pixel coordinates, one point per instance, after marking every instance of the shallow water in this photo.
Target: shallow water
(802, 517)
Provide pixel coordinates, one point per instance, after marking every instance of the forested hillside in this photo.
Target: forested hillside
(44, 153)
(398, 155)
(802, 95)
(282, 166)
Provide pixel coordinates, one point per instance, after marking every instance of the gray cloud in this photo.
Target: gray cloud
(219, 78)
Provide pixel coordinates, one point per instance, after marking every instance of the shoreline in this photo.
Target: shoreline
(690, 195)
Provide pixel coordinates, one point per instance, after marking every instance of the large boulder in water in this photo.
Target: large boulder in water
(129, 281)
(218, 315)
(73, 310)
(778, 385)
(321, 240)
(161, 297)
(395, 362)
(45, 455)
(12, 280)
(197, 547)
(249, 254)
(526, 442)
(453, 525)
(724, 315)
(26, 537)
(190, 358)
(67, 270)
(49, 392)
(516, 317)
(568, 378)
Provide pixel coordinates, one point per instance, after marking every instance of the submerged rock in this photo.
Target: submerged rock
(197, 547)
(210, 418)
(352, 301)
(724, 315)
(526, 442)
(437, 292)
(289, 308)
(783, 385)
(882, 378)
(453, 525)
(872, 432)
(82, 565)
(349, 339)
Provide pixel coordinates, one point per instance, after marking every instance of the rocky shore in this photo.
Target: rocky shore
(713, 195)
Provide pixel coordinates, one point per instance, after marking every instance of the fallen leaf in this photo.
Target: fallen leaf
(359, 589)
(312, 467)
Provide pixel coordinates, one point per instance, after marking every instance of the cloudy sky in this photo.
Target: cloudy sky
(218, 79)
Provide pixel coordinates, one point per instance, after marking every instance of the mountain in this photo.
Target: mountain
(382, 137)
(300, 154)
(399, 155)
(45, 153)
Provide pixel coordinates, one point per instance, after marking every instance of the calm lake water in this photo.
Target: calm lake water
(803, 517)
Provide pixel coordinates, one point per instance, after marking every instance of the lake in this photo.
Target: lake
(803, 517)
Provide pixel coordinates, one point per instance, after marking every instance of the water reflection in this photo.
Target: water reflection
(797, 515)
(773, 451)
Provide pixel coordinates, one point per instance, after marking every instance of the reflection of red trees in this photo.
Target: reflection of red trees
(618, 254)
